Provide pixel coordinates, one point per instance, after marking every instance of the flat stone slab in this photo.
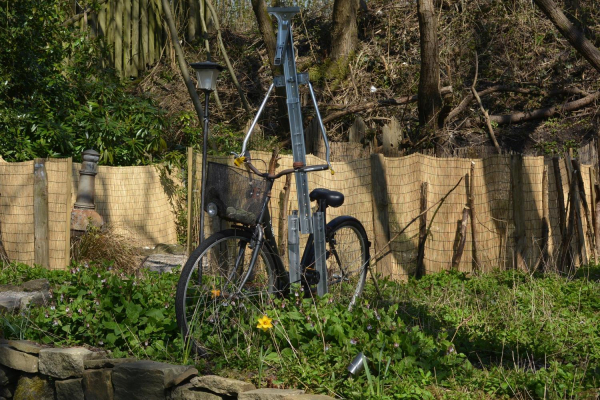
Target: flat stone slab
(25, 346)
(164, 262)
(188, 392)
(71, 389)
(18, 360)
(97, 384)
(221, 385)
(145, 380)
(105, 362)
(63, 363)
(36, 285)
(309, 397)
(269, 394)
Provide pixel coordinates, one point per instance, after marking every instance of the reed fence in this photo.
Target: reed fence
(505, 213)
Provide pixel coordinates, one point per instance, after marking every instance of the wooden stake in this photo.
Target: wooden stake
(560, 196)
(516, 173)
(567, 234)
(422, 232)
(40, 213)
(546, 251)
(476, 264)
(462, 238)
(576, 204)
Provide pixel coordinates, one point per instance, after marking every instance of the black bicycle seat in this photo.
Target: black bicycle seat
(332, 198)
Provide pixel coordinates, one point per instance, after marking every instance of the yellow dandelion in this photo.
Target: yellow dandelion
(215, 292)
(264, 323)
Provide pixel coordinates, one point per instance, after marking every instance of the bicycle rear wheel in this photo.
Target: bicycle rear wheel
(347, 252)
(218, 299)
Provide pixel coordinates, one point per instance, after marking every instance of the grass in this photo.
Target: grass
(506, 334)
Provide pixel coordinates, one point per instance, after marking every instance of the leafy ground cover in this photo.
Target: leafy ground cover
(506, 334)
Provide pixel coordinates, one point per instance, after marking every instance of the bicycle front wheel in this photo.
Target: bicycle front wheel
(218, 298)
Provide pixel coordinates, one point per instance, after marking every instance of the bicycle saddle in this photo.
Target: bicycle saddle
(332, 198)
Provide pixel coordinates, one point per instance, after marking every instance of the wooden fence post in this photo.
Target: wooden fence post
(190, 194)
(516, 174)
(68, 207)
(420, 272)
(381, 227)
(40, 213)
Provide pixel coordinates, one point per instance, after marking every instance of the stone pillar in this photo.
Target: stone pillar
(84, 211)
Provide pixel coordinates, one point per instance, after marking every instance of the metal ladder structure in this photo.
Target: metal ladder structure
(301, 220)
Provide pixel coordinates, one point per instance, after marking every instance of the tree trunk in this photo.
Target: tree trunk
(344, 36)
(265, 26)
(570, 32)
(430, 98)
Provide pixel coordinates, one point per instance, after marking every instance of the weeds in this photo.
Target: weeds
(106, 244)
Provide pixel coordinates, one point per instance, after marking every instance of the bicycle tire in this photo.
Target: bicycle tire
(205, 311)
(346, 270)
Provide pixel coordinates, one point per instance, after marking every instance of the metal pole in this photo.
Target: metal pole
(204, 165)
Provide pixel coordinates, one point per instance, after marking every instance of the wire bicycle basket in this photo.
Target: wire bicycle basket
(237, 194)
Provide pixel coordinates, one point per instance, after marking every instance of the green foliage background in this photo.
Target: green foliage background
(57, 97)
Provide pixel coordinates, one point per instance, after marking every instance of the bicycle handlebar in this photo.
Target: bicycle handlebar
(248, 161)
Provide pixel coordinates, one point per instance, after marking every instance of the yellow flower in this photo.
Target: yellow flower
(264, 323)
(215, 292)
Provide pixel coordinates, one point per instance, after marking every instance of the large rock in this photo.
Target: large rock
(15, 359)
(221, 385)
(97, 384)
(7, 375)
(269, 394)
(34, 387)
(188, 392)
(36, 285)
(63, 363)
(309, 397)
(70, 389)
(11, 301)
(145, 380)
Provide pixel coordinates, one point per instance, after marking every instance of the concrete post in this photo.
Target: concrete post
(84, 210)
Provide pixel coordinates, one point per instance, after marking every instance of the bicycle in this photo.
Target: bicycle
(233, 271)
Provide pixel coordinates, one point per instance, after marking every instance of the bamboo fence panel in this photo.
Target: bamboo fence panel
(16, 210)
(58, 203)
(135, 202)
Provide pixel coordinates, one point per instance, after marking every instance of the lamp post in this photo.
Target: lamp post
(207, 73)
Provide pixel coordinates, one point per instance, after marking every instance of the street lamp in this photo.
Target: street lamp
(206, 73)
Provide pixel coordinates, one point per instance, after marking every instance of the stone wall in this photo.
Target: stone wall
(29, 371)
